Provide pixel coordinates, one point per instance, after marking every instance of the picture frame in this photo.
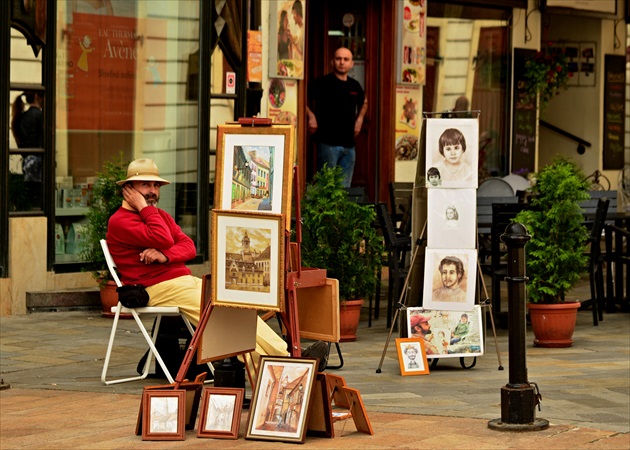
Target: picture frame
(442, 339)
(412, 356)
(357, 409)
(220, 416)
(450, 279)
(254, 169)
(248, 260)
(281, 399)
(164, 413)
(320, 420)
(442, 133)
(193, 396)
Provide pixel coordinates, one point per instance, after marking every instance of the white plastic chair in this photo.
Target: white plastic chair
(157, 311)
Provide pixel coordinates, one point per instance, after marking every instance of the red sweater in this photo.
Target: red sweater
(130, 232)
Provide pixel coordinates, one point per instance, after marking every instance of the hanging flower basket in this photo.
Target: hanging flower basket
(546, 75)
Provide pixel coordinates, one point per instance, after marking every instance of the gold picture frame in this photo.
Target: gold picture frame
(248, 260)
(412, 356)
(254, 170)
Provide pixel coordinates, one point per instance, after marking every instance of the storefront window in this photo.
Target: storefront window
(467, 68)
(125, 86)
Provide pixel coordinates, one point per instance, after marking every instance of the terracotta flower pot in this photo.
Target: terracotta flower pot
(350, 312)
(109, 299)
(553, 324)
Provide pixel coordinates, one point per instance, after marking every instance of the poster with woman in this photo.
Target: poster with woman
(286, 38)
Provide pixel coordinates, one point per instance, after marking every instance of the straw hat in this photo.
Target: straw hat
(143, 170)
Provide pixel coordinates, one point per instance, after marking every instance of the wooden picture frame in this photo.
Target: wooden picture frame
(439, 330)
(320, 420)
(220, 415)
(357, 408)
(254, 168)
(193, 396)
(248, 260)
(337, 396)
(318, 311)
(281, 399)
(412, 356)
(164, 413)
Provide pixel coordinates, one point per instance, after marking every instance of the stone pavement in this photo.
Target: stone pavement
(52, 362)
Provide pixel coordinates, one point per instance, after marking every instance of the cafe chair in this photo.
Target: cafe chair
(152, 311)
(596, 261)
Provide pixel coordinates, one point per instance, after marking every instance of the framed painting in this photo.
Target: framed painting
(412, 357)
(447, 334)
(281, 399)
(254, 170)
(193, 395)
(449, 279)
(452, 153)
(164, 415)
(220, 415)
(248, 260)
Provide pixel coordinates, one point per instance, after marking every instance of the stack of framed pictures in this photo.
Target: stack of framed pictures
(452, 154)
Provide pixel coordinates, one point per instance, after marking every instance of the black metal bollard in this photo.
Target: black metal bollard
(519, 398)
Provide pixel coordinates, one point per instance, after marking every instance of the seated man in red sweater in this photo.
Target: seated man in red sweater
(151, 249)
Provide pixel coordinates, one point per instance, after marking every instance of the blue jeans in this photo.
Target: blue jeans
(335, 155)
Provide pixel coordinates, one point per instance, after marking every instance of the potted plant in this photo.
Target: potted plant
(339, 235)
(106, 200)
(546, 75)
(556, 253)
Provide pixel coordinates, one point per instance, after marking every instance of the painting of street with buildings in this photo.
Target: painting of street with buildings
(281, 399)
(248, 259)
(252, 178)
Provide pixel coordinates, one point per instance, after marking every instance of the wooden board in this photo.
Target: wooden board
(229, 332)
(337, 396)
(320, 421)
(318, 311)
(357, 408)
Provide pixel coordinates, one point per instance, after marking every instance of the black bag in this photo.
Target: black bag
(133, 296)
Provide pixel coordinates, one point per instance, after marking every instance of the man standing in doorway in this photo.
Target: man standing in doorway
(337, 106)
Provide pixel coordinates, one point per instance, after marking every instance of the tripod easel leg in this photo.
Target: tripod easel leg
(488, 305)
(401, 300)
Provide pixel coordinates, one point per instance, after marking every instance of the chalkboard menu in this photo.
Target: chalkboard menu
(614, 110)
(523, 116)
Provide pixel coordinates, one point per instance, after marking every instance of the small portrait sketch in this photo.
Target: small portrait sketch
(450, 279)
(412, 357)
(453, 149)
(452, 218)
(434, 179)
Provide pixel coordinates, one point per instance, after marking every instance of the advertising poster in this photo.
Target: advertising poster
(254, 56)
(283, 101)
(106, 67)
(412, 42)
(286, 38)
(408, 122)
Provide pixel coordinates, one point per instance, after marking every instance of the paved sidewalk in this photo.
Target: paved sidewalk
(53, 362)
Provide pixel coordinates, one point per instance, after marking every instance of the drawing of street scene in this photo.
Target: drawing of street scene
(252, 178)
(247, 259)
(220, 413)
(281, 407)
(164, 412)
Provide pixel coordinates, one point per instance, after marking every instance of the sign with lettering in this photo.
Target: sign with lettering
(614, 111)
(523, 116)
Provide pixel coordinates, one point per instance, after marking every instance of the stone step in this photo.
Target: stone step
(63, 300)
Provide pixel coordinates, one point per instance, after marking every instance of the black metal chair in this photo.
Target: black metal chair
(397, 246)
(400, 198)
(596, 261)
